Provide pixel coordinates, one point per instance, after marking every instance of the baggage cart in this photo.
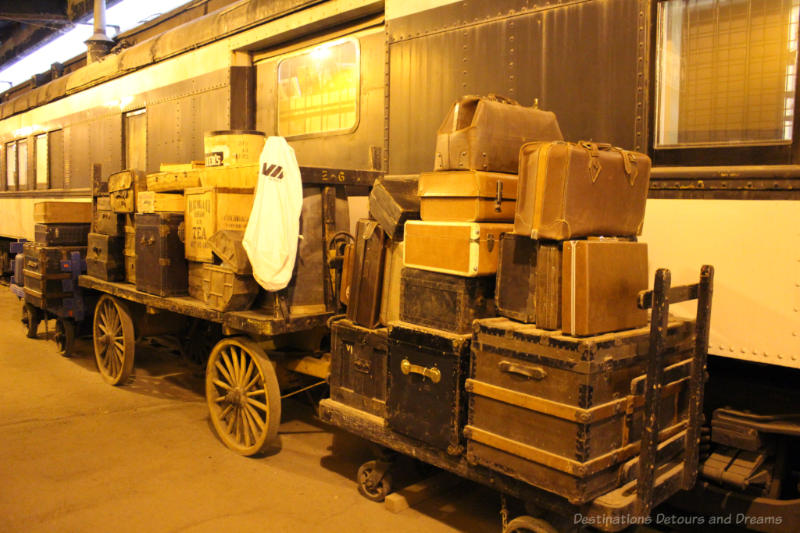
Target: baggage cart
(655, 472)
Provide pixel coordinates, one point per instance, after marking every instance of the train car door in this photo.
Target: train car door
(135, 132)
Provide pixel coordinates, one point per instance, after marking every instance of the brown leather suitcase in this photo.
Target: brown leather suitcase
(122, 190)
(529, 280)
(104, 257)
(358, 366)
(601, 283)
(563, 413)
(486, 133)
(364, 303)
(571, 190)
(426, 385)
(459, 248)
(443, 301)
(109, 223)
(392, 201)
(61, 234)
(161, 267)
(467, 196)
(347, 273)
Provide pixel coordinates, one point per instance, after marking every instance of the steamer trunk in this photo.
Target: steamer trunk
(105, 259)
(161, 267)
(358, 366)
(564, 413)
(426, 376)
(61, 234)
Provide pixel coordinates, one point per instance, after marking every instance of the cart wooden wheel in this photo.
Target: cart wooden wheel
(31, 316)
(113, 340)
(525, 523)
(371, 488)
(65, 335)
(243, 396)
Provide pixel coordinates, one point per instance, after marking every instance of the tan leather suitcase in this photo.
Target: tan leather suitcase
(467, 196)
(460, 248)
(568, 190)
(600, 286)
(485, 133)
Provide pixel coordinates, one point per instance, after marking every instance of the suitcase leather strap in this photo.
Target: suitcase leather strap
(628, 160)
(594, 158)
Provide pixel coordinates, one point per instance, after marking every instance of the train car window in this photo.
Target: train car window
(11, 166)
(318, 90)
(726, 72)
(22, 163)
(42, 167)
(135, 125)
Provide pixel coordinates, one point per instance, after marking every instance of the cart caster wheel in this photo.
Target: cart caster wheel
(525, 524)
(65, 336)
(31, 316)
(243, 396)
(113, 340)
(371, 488)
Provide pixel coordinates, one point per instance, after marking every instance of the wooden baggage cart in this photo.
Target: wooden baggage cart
(658, 469)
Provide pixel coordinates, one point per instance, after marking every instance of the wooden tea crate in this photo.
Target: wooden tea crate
(210, 209)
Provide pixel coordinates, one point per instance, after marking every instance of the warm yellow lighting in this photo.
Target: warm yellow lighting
(28, 130)
(321, 53)
(122, 103)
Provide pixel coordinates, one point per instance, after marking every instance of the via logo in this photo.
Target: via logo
(272, 171)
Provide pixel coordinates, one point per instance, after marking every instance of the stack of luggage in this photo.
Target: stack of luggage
(518, 340)
(61, 228)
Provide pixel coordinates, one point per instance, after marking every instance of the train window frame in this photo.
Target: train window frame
(23, 164)
(36, 161)
(308, 51)
(739, 153)
(11, 186)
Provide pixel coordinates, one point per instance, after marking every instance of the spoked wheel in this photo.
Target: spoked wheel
(65, 335)
(31, 316)
(113, 340)
(372, 483)
(528, 524)
(243, 395)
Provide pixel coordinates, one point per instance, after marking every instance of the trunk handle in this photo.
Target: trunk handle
(431, 373)
(531, 372)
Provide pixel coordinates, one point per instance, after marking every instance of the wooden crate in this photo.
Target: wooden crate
(158, 202)
(224, 290)
(210, 209)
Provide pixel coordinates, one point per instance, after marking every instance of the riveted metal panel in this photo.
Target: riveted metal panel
(578, 58)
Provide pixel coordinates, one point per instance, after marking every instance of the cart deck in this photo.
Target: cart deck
(254, 322)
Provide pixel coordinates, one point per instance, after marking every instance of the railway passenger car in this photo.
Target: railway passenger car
(706, 87)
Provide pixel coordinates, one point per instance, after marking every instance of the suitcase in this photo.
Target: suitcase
(61, 234)
(367, 280)
(459, 248)
(347, 273)
(392, 201)
(161, 267)
(62, 212)
(122, 189)
(46, 260)
(601, 284)
(390, 292)
(109, 223)
(485, 133)
(563, 413)
(467, 196)
(529, 280)
(358, 366)
(443, 301)
(105, 257)
(426, 376)
(569, 190)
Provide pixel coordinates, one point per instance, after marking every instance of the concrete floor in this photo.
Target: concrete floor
(79, 455)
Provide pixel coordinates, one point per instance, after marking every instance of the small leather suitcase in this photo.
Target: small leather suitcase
(467, 196)
(569, 190)
(161, 267)
(61, 234)
(358, 366)
(392, 201)
(109, 223)
(601, 284)
(426, 379)
(390, 292)
(529, 280)
(563, 413)
(364, 301)
(347, 273)
(485, 133)
(122, 189)
(459, 248)
(443, 301)
(105, 257)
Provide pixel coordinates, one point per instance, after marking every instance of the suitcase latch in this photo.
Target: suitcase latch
(432, 373)
(498, 200)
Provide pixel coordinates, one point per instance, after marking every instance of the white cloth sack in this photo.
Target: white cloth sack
(270, 239)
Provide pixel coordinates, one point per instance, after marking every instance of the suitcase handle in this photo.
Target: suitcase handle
(531, 372)
(147, 241)
(432, 373)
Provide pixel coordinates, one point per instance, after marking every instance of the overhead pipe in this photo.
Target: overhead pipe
(98, 44)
